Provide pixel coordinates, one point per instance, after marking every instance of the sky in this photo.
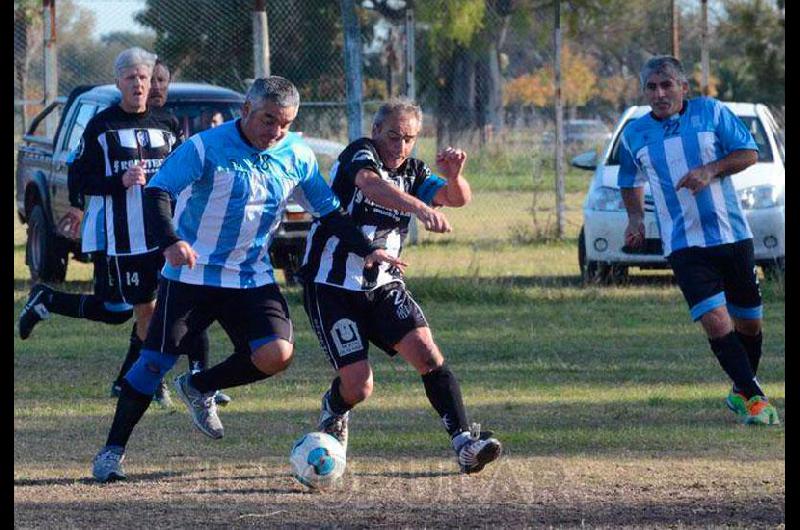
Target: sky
(113, 15)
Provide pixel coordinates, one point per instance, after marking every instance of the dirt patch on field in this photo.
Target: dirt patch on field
(515, 492)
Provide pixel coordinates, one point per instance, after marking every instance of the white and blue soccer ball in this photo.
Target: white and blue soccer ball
(318, 460)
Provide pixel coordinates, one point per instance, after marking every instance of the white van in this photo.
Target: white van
(760, 187)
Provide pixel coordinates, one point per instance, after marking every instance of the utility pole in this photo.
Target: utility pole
(676, 45)
(411, 92)
(704, 49)
(410, 58)
(261, 59)
(50, 63)
(352, 66)
(560, 223)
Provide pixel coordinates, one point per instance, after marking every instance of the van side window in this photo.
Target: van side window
(83, 115)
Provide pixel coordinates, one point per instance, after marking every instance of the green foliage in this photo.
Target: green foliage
(756, 70)
(212, 43)
(453, 21)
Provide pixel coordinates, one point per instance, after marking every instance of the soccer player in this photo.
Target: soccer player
(120, 147)
(687, 149)
(197, 349)
(351, 305)
(239, 176)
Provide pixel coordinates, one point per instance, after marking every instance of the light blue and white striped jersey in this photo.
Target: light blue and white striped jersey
(663, 151)
(230, 199)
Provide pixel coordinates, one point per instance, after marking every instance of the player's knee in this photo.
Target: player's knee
(716, 322)
(356, 391)
(748, 327)
(355, 382)
(273, 357)
(148, 371)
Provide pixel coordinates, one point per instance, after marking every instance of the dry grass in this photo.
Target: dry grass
(520, 491)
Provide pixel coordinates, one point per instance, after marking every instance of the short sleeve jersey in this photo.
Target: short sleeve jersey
(230, 200)
(114, 141)
(330, 261)
(663, 151)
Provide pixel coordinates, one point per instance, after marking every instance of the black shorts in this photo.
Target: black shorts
(134, 279)
(723, 275)
(347, 321)
(100, 279)
(250, 317)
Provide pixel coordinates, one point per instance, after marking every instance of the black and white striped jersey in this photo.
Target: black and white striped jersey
(327, 260)
(115, 140)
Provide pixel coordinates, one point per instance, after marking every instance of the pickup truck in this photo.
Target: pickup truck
(42, 197)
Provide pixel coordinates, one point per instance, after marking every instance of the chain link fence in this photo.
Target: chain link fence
(481, 69)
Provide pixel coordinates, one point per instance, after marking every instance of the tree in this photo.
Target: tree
(754, 68)
(212, 44)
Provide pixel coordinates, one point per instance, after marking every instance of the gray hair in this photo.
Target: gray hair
(275, 89)
(134, 57)
(665, 65)
(396, 106)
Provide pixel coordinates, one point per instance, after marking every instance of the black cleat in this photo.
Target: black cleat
(34, 310)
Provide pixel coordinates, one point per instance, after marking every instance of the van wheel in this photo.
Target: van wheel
(45, 255)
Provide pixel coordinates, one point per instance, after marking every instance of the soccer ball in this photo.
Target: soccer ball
(318, 460)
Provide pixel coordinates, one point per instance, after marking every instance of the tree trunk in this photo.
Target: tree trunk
(456, 110)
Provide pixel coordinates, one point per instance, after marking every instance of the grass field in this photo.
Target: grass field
(607, 399)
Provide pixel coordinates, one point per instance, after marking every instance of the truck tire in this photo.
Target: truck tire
(45, 255)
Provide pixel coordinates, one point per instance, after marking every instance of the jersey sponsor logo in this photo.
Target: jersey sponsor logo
(150, 165)
(345, 336)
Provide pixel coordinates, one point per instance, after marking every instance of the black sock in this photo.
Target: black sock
(733, 359)
(67, 304)
(134, 348)
(93, 308)
(336, 402)
(197, 351)
(88, 306)
(131, 406)
(444, 393)
(752, 345)
(236, 370)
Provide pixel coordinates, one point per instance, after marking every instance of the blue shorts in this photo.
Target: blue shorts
(722, 275)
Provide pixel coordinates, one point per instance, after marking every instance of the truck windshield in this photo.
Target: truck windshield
(199, 116)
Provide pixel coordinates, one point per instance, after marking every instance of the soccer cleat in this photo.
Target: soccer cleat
(201, 407)
(334, 424)
(221, 399)
(477, 449)
(761, 412)
(737, 402)
(107, 464)
(34, 311)
(162, 396)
